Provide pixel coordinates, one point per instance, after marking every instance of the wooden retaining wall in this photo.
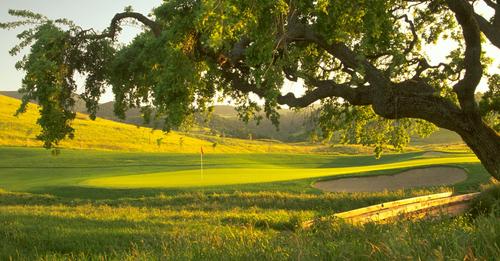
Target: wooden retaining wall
(417, 207)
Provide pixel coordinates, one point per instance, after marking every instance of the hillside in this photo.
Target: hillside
(294, 125)
(223, 121)
(110, 135)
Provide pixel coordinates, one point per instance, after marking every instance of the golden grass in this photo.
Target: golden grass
(104, 134)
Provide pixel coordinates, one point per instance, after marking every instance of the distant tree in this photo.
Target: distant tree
(181, 142)
(364, 62)
(159, 142)
(28, 134)
(313, 136)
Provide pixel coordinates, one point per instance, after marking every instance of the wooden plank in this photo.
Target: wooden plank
(417, 207)
(391, 204)
(402, 210)
(448, 210)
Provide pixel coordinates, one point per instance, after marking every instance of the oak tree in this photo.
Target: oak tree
(363, 63)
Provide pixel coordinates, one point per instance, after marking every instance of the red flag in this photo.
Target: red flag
(201, 150)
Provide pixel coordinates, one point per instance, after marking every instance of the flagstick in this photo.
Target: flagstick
(201, 171)
(201, 166)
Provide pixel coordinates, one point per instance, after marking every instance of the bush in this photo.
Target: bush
(488, 202)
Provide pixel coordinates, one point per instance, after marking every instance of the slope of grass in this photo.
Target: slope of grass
(110, 135)
(441, 136)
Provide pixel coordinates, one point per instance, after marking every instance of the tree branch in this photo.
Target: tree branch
(466, 87)
(361, 95)
(491, 31)
(113, 28)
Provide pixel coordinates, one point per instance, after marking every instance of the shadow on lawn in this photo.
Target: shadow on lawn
(211, 200)
(42, 234)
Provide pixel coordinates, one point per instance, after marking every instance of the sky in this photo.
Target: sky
(95, 14)
(98, 13)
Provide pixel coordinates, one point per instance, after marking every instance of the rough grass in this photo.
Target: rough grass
(229, 226)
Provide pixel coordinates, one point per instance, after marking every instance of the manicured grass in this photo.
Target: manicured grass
(229, 176)
(36, 170)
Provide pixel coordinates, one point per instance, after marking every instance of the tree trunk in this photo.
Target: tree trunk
(485, 143)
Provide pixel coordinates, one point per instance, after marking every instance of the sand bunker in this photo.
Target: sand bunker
(433, 176)
(433, 154)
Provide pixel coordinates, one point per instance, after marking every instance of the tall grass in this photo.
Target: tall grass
(229, 226)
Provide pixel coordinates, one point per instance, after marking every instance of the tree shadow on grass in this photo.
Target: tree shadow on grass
(39, 235)
(214, 200)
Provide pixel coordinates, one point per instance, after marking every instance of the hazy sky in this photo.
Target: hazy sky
(89, 13)
(98, 13)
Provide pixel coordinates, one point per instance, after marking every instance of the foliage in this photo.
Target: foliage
(55, 56)
(488, 202)
(181, 68)
(490, 102)
(360, 125)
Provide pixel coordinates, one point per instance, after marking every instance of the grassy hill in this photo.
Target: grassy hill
(441, 136)
(224, 120)
(110, 135)
(294, 126)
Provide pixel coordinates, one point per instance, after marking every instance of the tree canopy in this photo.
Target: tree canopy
(363, 61)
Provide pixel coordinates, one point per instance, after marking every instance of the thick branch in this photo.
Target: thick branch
(299, 32)
(114, 26)
(155, 28)
(325, 88)
(491, 31)
(362, 95)
(466, 87)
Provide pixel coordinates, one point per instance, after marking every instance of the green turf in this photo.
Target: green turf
(36, 170)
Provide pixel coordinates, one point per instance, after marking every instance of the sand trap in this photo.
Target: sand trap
(422, 177)
(433, 154)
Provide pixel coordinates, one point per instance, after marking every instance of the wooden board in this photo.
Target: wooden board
(418, 207)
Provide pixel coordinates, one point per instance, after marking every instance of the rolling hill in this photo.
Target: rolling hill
(294, 126)
(223, 121)
(110, 135)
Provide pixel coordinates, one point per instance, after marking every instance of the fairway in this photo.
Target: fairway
(230, 176)
(35, 170)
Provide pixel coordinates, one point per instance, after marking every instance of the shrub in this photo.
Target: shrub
(488, 202)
